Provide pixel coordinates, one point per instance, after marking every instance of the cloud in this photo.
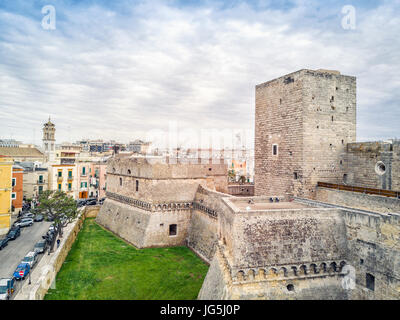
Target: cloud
(119, 71)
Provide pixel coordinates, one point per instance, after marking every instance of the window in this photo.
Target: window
(172, 229)
(129, 171)
(69, 186)
(59, 174)
(370, 282)
(40, 189)
(59, 186)
(274, 149)
(83, 171)
(13, 195)
(290, 287)
(40, 179)
(70, 173)
(14, 181)
(295, 176)
(345, 178)
(120, 181)
(137, 185)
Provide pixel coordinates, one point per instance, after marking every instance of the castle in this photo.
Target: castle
(325, 221)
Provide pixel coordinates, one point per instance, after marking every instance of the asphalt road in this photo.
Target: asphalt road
(15, 251)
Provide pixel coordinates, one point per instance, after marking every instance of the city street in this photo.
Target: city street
(16, 249)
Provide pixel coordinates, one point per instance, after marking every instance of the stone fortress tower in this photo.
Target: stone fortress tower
(49, 141)
(304, 121)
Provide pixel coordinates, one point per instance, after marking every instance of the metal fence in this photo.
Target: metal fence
(380, 192)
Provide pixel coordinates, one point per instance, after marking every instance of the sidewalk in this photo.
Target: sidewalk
(44, 273)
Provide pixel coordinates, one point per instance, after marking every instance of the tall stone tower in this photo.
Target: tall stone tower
(49, 140)
(303, 123)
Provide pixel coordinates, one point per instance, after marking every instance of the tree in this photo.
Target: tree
(242, 179)
(59, 207)
(232, 176)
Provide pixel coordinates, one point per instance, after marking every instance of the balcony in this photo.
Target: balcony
(59, 179)
(70, 178)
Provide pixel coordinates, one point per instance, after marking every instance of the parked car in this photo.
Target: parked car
(22, 271)
(4, 242)
(80, 203)
(49, 217)
(25, 222)
(14, 233)
(6, 288)
(41, 246)
(28, 215)
(101, 201)
(38, 218)
(91, 202)
(31, 258)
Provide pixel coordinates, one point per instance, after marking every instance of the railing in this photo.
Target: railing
(41, 181)
(380, 192)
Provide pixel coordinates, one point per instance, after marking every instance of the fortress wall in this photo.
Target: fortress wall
(125, 221)
(374, 248)
(358, 200)
(328, 288)
(217, 284)
(142, 228)
(277, 237)
(204, 224)
(156, 191)
(362, 158)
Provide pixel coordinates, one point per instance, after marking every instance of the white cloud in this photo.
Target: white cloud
(105, 74)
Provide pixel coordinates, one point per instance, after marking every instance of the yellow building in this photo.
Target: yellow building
(5, 193)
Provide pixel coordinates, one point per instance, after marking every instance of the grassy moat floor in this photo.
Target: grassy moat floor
(100, 266)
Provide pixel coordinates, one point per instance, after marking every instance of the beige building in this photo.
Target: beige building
(23, 154)
(63, 177)
(35, 179)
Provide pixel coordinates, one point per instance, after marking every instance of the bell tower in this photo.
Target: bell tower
(49, 140)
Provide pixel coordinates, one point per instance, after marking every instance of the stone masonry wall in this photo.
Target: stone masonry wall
(142, 228)
(204, 230)
(374, 250)
(362, 158)
(278, 237)
(358, 200)
(311, 116)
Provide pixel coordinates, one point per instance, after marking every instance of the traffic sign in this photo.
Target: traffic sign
(21, 273)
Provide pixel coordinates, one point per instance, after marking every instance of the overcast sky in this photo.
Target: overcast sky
(119, 69)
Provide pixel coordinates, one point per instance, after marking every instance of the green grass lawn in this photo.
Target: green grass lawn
(102, 266)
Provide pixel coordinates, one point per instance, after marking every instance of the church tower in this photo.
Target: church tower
(49, 140)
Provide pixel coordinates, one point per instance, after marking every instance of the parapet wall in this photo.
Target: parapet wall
(374, 252)
(204, 230)
(279, 237)
(358, 200)
(145, 229)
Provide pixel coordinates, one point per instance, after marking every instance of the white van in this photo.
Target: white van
(31, 258)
